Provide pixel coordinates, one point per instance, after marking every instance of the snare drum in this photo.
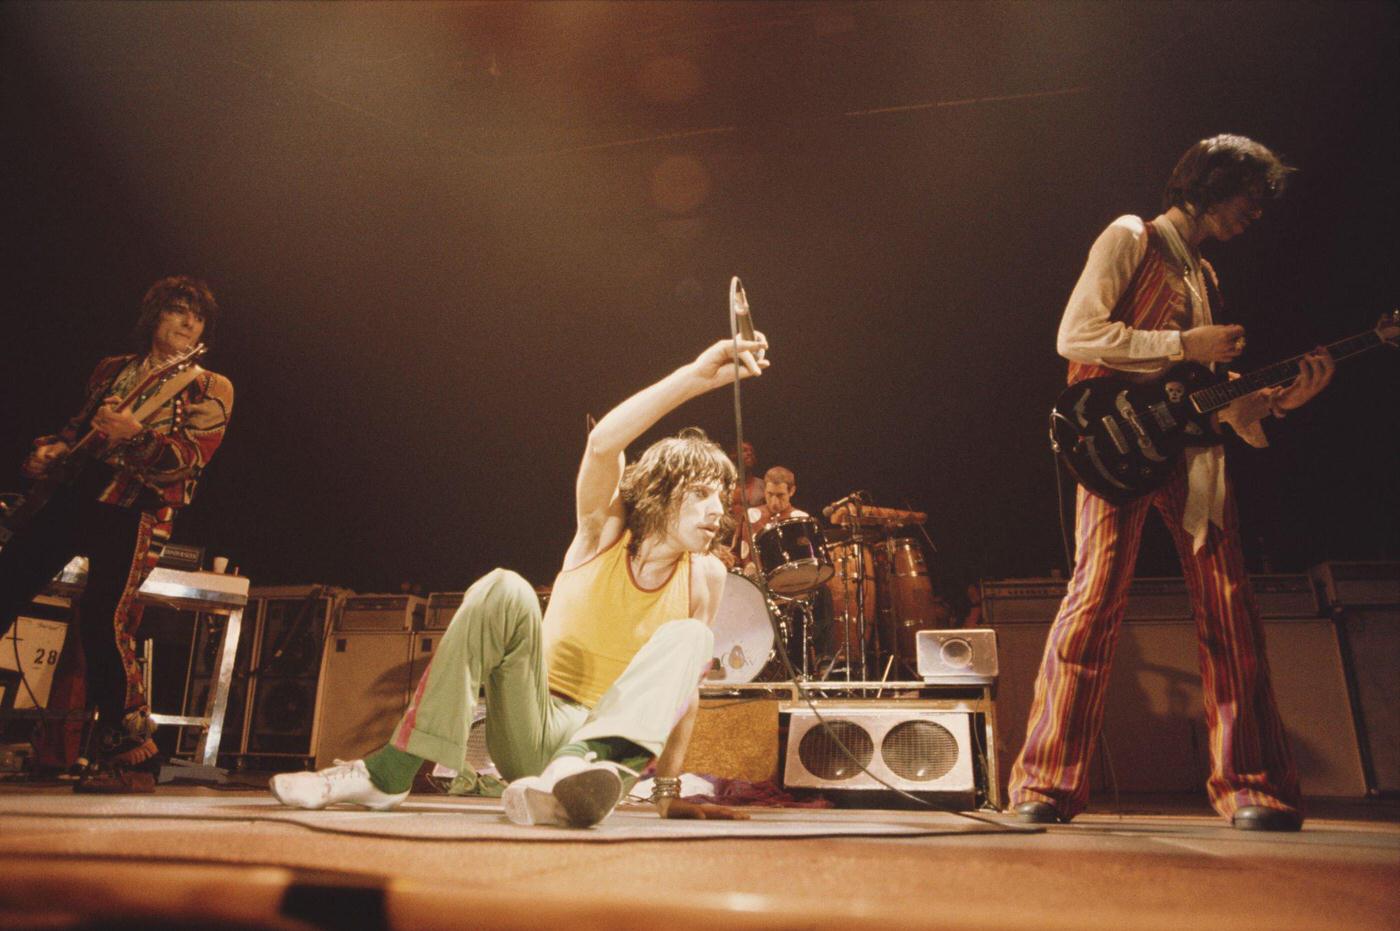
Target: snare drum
(793, 556)
(743, 633)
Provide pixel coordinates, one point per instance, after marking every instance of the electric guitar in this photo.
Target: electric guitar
(67, 468)
(1121, 439)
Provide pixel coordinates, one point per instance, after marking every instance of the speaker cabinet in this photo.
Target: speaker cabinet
(957, 657)
(277, 670)
(909, 748)
(291, 634)
(1154, 727)
(366, 689)
(1364, 599)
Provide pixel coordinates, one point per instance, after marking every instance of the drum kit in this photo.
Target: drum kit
(842, 602)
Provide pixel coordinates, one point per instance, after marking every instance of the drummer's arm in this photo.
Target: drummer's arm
(711, 574)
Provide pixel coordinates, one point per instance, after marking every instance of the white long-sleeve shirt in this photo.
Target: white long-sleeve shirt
(1088, 336)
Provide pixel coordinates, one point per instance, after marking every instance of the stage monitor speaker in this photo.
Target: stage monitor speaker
(911, 749)
(364, 692)
(957, 657)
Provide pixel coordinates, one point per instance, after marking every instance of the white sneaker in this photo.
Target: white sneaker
(572, 791)
(343, 782)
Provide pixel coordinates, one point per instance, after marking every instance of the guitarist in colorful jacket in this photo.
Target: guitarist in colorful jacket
(1143, 302)
(123, 480)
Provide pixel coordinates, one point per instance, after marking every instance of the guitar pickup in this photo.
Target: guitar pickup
(1163, 416)
(1115, 433)
(1125, 407)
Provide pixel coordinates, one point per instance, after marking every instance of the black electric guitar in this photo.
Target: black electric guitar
(68, 468)
(1121, 439)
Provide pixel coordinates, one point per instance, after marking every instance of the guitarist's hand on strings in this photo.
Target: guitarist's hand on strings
(1315, 370)
(42, 456)
(1213, 343)
(117, 426)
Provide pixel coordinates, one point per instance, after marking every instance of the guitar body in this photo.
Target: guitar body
(79, 466)
(1122, 439)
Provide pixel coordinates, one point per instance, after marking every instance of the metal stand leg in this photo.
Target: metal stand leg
(208, 749)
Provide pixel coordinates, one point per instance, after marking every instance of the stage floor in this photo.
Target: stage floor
(233, 858)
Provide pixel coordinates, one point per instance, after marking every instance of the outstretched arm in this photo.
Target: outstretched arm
(601, 469)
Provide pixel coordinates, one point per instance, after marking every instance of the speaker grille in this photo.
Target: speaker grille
(823, 756)
(920, 751)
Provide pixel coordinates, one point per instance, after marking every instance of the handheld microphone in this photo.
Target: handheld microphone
(739, 308)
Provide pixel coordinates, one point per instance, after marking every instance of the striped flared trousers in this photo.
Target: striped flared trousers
(1250, 763)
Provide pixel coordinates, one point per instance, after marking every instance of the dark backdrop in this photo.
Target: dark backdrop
(442, 234)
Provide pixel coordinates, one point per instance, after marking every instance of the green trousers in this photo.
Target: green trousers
(495, 643)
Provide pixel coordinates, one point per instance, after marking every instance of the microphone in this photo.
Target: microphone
(833, 506)
(739, 308)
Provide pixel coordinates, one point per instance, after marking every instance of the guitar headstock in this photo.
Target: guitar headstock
(1388, 328)
(182, 360)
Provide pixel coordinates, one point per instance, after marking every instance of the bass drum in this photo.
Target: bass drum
(743, 633)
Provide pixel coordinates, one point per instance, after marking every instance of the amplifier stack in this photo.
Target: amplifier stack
(1154, 733)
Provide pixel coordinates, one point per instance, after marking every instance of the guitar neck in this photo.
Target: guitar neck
(1217, 396)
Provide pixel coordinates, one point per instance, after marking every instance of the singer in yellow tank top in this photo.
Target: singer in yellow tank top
(599, 617)
(579, 702)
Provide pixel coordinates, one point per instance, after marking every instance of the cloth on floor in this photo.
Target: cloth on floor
(765, 794)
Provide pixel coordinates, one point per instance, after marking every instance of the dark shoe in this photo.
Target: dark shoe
(128, 742)
(1039, 813)
(1264, 818)
(116, 780)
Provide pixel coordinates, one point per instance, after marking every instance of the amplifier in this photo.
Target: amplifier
(181, 556)
(441, 607)
(1356, 583)
(1011, 601)
(957, 657)
(380, 612)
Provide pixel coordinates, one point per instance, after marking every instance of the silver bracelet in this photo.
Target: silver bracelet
(665, 787)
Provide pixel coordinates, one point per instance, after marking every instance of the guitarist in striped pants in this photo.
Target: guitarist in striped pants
(125, 482)
(1144, 301)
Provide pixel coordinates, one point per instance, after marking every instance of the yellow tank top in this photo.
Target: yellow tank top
(599, 617)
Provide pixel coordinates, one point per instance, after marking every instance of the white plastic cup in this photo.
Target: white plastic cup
(221, 564)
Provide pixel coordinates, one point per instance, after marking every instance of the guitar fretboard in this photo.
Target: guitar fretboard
(1217, 396)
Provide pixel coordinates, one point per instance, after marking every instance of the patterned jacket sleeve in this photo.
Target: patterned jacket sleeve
(179, 443)
(97, 385)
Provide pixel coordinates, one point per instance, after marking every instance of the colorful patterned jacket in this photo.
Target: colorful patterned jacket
(158, 468)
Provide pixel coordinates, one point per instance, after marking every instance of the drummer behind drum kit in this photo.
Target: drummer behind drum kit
(845, 601)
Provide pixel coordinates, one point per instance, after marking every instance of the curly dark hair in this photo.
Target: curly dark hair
(1217, 169)
(176, 289)
(653, 486)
